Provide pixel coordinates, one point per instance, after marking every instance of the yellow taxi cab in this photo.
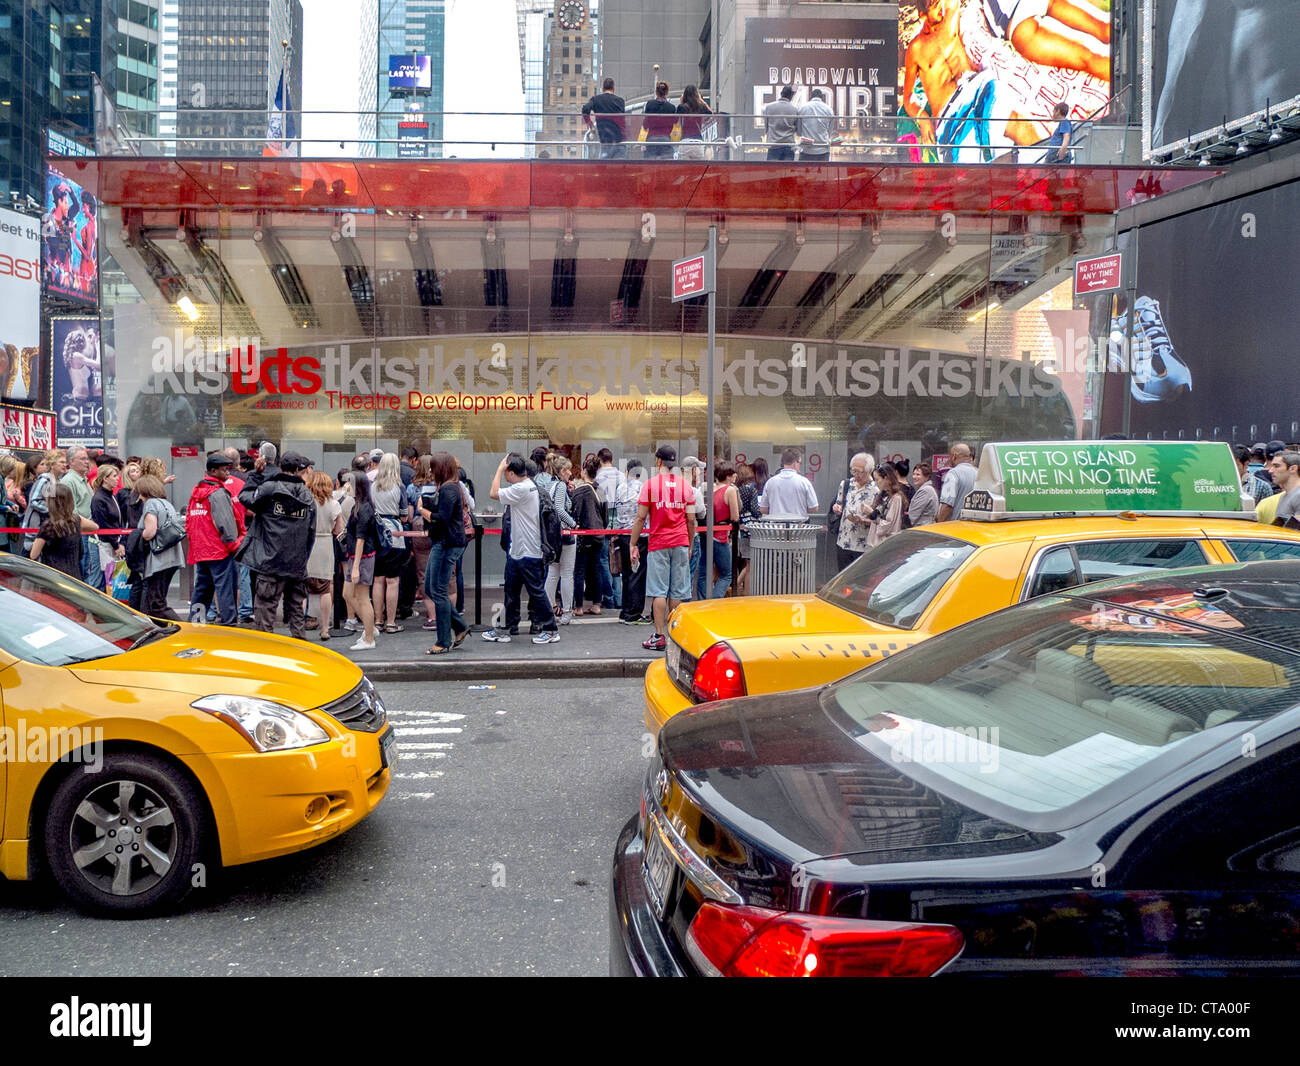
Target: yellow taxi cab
(136, 757)
(1007, 547)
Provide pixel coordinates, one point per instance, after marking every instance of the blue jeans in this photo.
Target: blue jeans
(609, 596)
(437, 575)
(216, 577)
(92, 572)
(245, 592)
(722, 560)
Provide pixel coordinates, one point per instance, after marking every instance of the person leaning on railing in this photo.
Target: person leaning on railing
(661, 117)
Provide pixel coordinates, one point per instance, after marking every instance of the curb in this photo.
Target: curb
(508, 669)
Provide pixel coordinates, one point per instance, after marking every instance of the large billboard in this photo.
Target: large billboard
(1212, 354)
(853, 61)
(78, 380)
(68, 234)
(1211, 64)
(20, 308)
(979, 78)
(410, 73)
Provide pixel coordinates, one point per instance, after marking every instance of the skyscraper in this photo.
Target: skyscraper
(391, 110)
(230, 55)
(570, 76)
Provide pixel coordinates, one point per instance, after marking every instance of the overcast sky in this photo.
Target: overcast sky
(482, 68)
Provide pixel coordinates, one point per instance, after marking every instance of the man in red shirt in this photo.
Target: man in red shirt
(214, 523)
(668, 501)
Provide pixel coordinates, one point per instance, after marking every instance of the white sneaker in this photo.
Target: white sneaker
(363, 645)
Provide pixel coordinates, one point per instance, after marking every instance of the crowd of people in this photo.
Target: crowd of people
(266, 533)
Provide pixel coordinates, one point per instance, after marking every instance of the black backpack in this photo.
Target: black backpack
(548, 519)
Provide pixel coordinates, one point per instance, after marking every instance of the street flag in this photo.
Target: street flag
(275, 122)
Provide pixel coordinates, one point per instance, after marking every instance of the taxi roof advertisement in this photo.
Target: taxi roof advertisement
(1052, 476)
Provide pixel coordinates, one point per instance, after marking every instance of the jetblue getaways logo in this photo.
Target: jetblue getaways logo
(27, 742)
(120, 1020)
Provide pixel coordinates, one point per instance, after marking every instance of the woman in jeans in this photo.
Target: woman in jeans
(389, 498)
(161, 566)
(586, 509)
(359, 566)
(560, 573)
(692, 109)
(445, 521)
(726, 513)
(422, 485)
(747, 490)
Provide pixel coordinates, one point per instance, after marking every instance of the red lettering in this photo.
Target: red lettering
(307, 369)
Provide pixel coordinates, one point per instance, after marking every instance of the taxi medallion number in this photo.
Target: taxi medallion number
(658, 870)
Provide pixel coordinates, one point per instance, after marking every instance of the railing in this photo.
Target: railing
(867, 139)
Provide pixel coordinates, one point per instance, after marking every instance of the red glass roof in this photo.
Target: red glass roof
(281, 184)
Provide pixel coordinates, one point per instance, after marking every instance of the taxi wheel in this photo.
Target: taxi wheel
(126, 839)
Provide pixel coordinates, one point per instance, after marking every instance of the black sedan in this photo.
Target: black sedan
(1100, 782)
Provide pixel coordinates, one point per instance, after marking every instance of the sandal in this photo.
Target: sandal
(325, 635)
(460, 638)
(593, 610)
(438, 649)
(392, 627)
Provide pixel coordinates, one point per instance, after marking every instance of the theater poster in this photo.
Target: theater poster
(78, 381)
(979, 78)
(853, 62)
(20, 308)
(70, 255)
(1206, 350)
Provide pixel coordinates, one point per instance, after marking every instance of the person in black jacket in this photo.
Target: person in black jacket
(106, 513)
(609, 130)
(446, 528)
(279, 543)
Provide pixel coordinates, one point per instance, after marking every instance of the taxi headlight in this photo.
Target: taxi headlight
(265, 725)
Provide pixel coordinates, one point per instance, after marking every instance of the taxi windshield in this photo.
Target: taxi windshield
(894, 582)
(49, 618)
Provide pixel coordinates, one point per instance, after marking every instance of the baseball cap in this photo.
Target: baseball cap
(666, 453)
(376, 454)
(692, 461)
(292, 462)
(1274, 447)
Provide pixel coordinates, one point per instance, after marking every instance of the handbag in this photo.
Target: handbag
(833, 520)
(615, 559)
(170, 533)
(120, 581)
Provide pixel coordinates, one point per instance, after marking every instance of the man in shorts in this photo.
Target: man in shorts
(667, 500)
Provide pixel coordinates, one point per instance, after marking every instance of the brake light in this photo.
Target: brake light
(718, 674)
(726, 941)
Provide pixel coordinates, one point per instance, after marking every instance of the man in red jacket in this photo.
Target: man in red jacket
(214, 524)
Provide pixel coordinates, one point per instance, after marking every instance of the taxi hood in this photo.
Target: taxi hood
(199, 661)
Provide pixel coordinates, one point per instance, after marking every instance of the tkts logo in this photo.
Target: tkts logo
(277, 374)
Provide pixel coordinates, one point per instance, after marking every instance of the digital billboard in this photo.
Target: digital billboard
(853, 62)
(978, 78)
(20, 308)
(1215, 63)
(412, 139)
(70, 256)
(78, 380)
(410, 73)
(1212, 353)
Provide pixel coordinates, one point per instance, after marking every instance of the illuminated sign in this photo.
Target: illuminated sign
(410, 73)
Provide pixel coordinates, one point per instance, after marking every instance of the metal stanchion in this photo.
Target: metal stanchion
(478, 574)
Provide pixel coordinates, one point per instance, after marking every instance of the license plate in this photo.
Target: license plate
(674, 659)
(388, 749)
(657, 869)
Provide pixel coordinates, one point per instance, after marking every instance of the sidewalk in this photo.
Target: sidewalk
(588, 647)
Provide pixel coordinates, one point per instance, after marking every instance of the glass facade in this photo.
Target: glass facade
(483, 308)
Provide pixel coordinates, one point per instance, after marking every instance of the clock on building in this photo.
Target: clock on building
(572, 14)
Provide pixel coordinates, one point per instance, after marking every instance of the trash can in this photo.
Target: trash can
(783, 556)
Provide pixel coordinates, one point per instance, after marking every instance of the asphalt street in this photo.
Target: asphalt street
(490, 855)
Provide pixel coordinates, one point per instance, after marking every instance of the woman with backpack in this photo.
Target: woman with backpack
(159, 522)
(444, 515)
(587, 510)
(359, 566)
(58, 542)
(560, 573)
(389, 500)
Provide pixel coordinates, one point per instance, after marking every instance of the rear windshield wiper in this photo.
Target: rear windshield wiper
(154, 634)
